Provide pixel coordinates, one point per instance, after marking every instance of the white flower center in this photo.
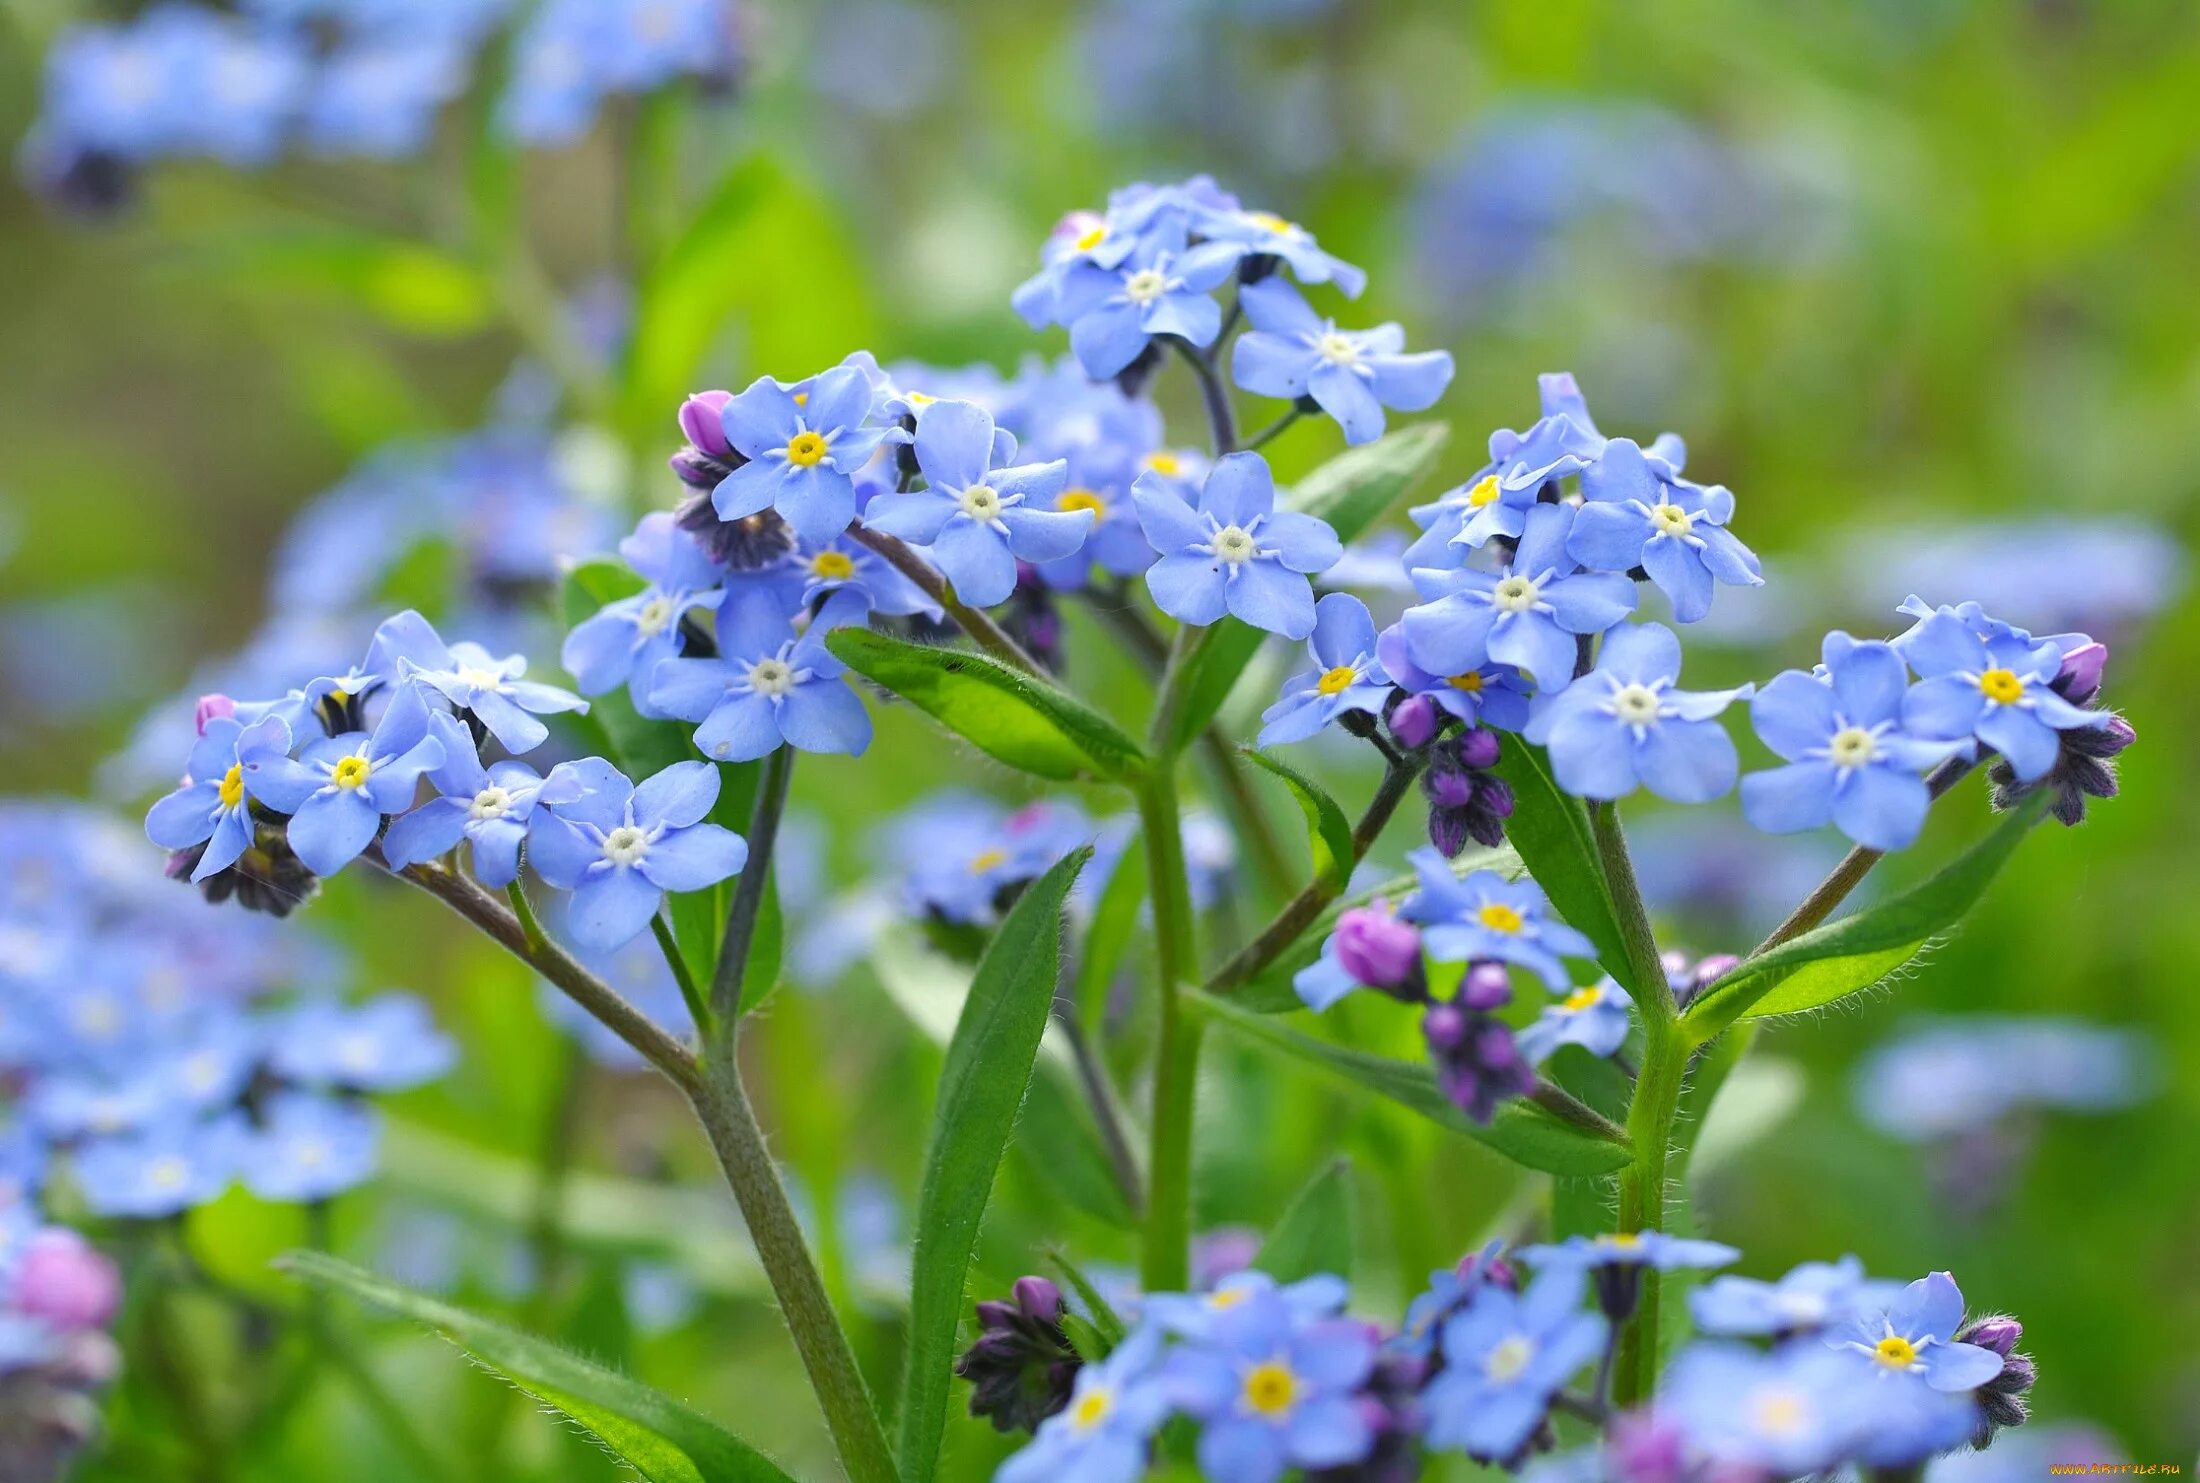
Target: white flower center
(169, 1173)
(1234, 544)
(1513, 1355)
(480, 679)
(1852, 746)
(1144, 286)
(491, 802)
(771, 677)
(981, 502)
(1636, 705)
(1671, 520)
(1515, 595)
(1337, 348)
(655, 616)
(625, 845)
(311, 1153)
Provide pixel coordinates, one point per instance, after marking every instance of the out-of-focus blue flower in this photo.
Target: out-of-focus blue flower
(1998, 691)
(768, 687)
(1653, 1249)
(1201, 1315)
(1593, 1017)
(1625, 723)
(1165, 286)
(1495, 502)
(1946, 1077)
(379, 97)
(1104, 436)
(1346, 676)
(1911, 1337)
(1291, 352)
(619, 847)
(1786, 1413)
(1505, 1356)
(355, 780)
(1236, 553)
(1813, 1296)
(1103, 1434)
(1494, 695)
(978, 514)
(956, 853)
(802, 455)
(1638, 512)
(487, 806)
(1273, 1387)
(469, 677)
(1449, 1290)
(384, 1045)
(574, 53)
(1138, 215)
(230, 765)
(1265, 234)
(627, 639)
(309, 1148)
(2047, 570)
(1529, 615)
(1483, 916)
(1851, 760)
(169, 1167)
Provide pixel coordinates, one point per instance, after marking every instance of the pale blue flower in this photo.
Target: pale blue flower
(1236, 553)
(1813, 1296)
(767, 686)
(1999, 691)
(1505, 1356)
(1627, 723)
(1291, 352)
(802, 455)
(1638, 512)
(1594, 1017)
(619, 847)
(1346, 674)
(1484, 916)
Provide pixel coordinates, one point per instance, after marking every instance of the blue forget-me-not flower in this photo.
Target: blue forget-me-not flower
(1236, 553)
(1638, 512)
(803, 451)
(1291, 352)
(619, 847)
(1346, 674)
(768, 686)
(1625, 723)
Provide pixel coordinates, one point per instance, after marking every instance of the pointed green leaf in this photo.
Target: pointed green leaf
(1016, 718)
(989, 1064)
(1104, 1318)
(1523, 1131)
(650, 1432)
(1550, 829)
(1328, 831)
(1852, 954)
(1313, 1235)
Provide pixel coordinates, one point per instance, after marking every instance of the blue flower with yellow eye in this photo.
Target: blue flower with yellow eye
(1492, 695)
(1505, 1355)
(1163, 287)
(1911, 1338)
(231, 765)
(1594, 1017)
(1105, 1433)
(1482, 915)
(1236, 553)
(1626, 723)
(1654, 1249)
(1496, 500)
(486, 806)
(1346, 674)
(1265, 234)
(351, 782)
(1999, 691)
(803, 450)
(1638, 512)
(1291, 352)
(847, 565)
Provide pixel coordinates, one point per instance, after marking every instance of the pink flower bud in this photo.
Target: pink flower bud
(1377, 948)
(211, 707)
(1413, 721)
(702, 421)
(62, 1279)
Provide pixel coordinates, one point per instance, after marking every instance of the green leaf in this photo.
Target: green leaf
(1313, 1235)
(989, 1064)
(1210, 672)
(1016, 718)
(1845, 957)
(1550, 829)
(648, 1431)
(1522, 1131)
(1104, 1316)
(1328, 831)
(1361, 486)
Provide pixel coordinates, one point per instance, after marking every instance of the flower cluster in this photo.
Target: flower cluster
(345, 78)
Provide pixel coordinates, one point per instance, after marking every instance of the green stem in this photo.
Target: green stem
(698, 1006)
(1221, 417)
(1099, 1092)
(1165, 1260)
(989, 635)
(1855, 865)
(723, 1104)
(748, 892)
(1273, 430)
(516, 893)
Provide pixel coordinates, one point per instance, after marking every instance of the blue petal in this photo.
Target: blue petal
(1168, 523)
(611, 909)
(977, 560)
(954, 445)
(677, 796)
(2029, 743)
(1869, 680)
(1687, 761)
(818, 502)
(1591, 601)
(1532, 642)
(825, 716)
(426, 832)
(690, 859)
(1345, 395)
(748, 489)
(1239, 490)
(1783, 800)
(1944, 707)
(740, 728)
(1881, 808)
(1269, 595)
(1046, 535)
(1640, 654)
(1680, 574)
(1609, 538)
(1108, 339)
(1188, 588)
(1302, 542)
(1591, 752)
(331, 828)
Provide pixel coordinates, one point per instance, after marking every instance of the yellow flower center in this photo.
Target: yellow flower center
(1624, 1240)
(802, 399)
(351, 772)
(2001, 686)
(1333, 681)
(1273, 222)
(1091, 1409)
(986, 860)
(1471, 682)
(231, 788)
(1092, 239)
(1484, 492)
(1581, 999)
(1081, 499)
(1270, 1388)
(1227, 1297)
(1164, 463)
(1780, 1413)
(1509, 1359)
(1895, 1352)
(832, 566)
(1499, 917)
(805, 450)
(1672, 520)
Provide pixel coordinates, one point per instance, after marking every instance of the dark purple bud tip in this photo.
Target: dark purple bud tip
(1449, 789)
(1996, 1331)
(696, 469)
(1486, 986)
(2119, 731)
(1377, 948)
(2079, 679)
(703, 422)
(211, 707)
(1413, 721)
(1479, 748)
(1039, 1299)
(1495, 796)
(993, 1314)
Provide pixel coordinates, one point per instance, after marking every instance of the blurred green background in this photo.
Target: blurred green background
(1894, 269)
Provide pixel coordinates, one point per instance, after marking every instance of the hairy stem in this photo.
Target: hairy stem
(748, 892)
(988, 635)
(1221, 417)
(1855, 865)
(690, 990)
(1165, 1259)
(1100, 1097)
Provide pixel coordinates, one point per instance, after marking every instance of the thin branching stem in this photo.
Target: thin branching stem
(989, 635)
(1849, 874)
(748, 893)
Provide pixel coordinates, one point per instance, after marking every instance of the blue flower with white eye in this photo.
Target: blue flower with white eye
(625, 641)
(1974, 617)
(1625, 723)
(473, 679)
(352, 781)
(487, 806)
(212, 1068)
(1911, 1338)
(1998, 690)
(1813, 1296)
(1851, 760)
(1346, 674)
(1466, 919)
(1593, 1017)
(803, 451)
(1494, 695)
(378, 97)
(1497, 499)
(1637, 513)
(310, 1148)
(767, 686)
(231, 765)
(1291, 352)
(1505, 1356)
(169, 1167)
(619, 847)
(1785, 1414)
(1104, 1434)
(1274, 1388)
(1265, 234)
(978, 516)
(1654, 1249)
(388, 1044)
(1236, 553)
(1163, 287)
(1528, 615)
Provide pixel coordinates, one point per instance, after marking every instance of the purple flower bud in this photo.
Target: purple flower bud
(1077, 224)
(1413, 721)
(1997, 1332)
(1378, 948)
(61, 1278)
(1444, 1026)
(697, 470)
(2079, 680)
(1450, 789)
(1479, 748)
(1447, 831)
(1495, 796)
(1486, 986)
(1645, 1449)
(1039, 1299)
(702, 422)
(212, 707)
